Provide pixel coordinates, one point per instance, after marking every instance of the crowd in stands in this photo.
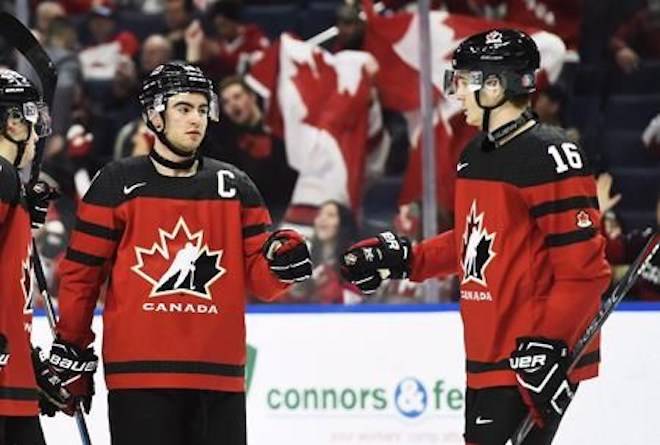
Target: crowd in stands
(607, 96)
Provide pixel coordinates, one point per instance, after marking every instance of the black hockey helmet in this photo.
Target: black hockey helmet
(176, 77)
(509, 54)
(20, 99)
(164, 82)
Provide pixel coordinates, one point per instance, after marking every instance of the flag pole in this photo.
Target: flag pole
(429, 192)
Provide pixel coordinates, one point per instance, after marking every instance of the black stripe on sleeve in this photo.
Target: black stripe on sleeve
(174, 367)
(475, 367)
(84, 258)
(96, 230)
(250, 231)
(561, 205)
(564, 239)
(23, 394)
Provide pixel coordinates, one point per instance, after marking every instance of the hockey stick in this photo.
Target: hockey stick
(52, 322)
(21, 38)
(607, 307)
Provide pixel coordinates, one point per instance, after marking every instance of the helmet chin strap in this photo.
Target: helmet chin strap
(485, 121)
(181, 165)
(20, 145)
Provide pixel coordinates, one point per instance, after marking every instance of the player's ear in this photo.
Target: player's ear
(156, 119)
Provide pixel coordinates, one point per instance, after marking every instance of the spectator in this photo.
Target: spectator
(179, 14)
(120, 108)
(44, 13)
(638, 38)
(651, 136)
(334, 231)
(231, 44)
(623, 247)
(350, 27)
(61, 44)
(156, 50)
(105, 45)
(250, 145)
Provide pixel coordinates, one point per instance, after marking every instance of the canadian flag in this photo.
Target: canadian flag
(394, 42)
(324, 104)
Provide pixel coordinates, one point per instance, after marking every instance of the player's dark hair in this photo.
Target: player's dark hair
(347, 233)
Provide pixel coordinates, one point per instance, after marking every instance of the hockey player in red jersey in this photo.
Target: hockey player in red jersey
(23, 120)
(183, 239)
(525, 245)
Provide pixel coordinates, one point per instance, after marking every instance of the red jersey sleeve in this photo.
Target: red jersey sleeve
(83, 270)
(565, 210)
(255, 218)
(434, 257)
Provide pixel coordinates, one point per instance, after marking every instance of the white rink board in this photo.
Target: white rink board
(361, 358)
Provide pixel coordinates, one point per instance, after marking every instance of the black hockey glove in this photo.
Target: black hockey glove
(288, 256)
(76, 368)
(4, 352)
(52, 396)
(38, 198)
(369, 262)
(541, 370)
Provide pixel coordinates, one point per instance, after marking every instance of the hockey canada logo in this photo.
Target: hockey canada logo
(179, 262)
(477, 248)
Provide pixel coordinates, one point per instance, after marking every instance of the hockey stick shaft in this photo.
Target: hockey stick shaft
(52, 323)
(607, 307)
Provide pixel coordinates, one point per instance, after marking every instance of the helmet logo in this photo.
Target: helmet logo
(493, 37)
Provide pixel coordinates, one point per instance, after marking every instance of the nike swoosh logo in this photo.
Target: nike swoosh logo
(461, 166)
(129, 190)
(481, 421)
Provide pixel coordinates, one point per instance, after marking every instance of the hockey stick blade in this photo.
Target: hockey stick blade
(21, 38)
(607, 307)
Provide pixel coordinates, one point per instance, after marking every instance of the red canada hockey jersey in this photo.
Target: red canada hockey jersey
(181, 253)
(18, 388)
(526, 248)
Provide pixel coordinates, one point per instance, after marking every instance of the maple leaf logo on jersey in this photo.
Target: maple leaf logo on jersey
(26, 280)
(477, 248)
(179, 263)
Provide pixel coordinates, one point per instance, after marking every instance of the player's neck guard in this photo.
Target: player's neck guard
(183, 165)
(499, 134)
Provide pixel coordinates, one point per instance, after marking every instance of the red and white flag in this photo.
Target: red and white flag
(324, 102)
(394, 42)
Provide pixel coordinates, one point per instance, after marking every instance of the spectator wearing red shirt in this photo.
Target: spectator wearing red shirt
(233, 42)
(638, 38)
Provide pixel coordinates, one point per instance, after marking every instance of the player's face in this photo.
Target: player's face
(187, 119)
(19, 130)
(238, 104)
(326, 223)
(490, 94)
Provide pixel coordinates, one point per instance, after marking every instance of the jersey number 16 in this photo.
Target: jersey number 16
(571, 157)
